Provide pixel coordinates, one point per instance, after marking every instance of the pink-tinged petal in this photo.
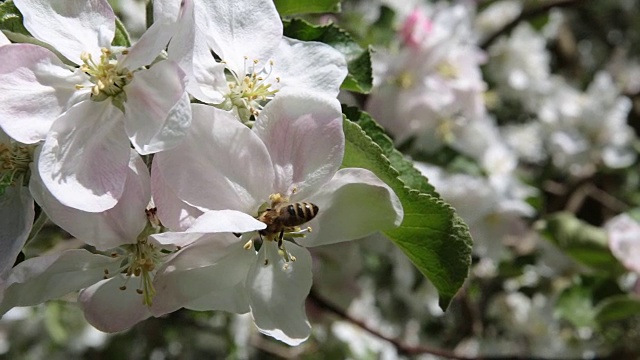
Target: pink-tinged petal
(108, 229)
(16, 219)
(233, 27)
(220, 165)
(303, 134)
(309, 65)
(206, 275)
(624, 240)
(277, 292)
(167, 11)
(35, 88)
(84, 160)
(157, 111)
(354, 204)
(174, 213)
(110, 309)
(70, 26)
(43, 278)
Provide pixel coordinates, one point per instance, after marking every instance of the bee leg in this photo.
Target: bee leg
(280, 237)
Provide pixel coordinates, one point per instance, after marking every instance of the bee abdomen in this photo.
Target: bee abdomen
(299, 213)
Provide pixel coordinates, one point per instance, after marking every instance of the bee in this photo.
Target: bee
(285, 216)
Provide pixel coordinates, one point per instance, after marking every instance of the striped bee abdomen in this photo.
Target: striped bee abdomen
(299, 213)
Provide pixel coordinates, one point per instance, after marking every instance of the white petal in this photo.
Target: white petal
(225, 221)
(16, 219)
(110, 309)
(157, 112)
(277, 293)
(85, 157)
(189, 49)
(624, 240)
(303, 133)
(3, 39)
(237, 29)
(220, 165)
(206, 275)
(174, 213)
(354, 204)
(108, 229)
(71, 26)
(309, 65)
(42, 278)
(35, 88)
(148, 47)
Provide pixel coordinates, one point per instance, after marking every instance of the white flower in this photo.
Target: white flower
(624, 240)
(247, 37)
(118, 288)
(291, 155)
(433, 87)
(88, 115)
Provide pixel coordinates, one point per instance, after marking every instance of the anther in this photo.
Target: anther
(248, 245)
(139, 291)
(123, 288)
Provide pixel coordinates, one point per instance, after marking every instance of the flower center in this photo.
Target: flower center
(283, 219)
(447, 70)
(14, 164)
(107, 77)
(141, 259)
(249, 93)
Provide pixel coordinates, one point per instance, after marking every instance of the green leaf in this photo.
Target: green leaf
(360, 76)
(432, 235)
(585, 243)
(11, 19)
(617, 308)
(576, 306)
(292, 7)
(121, 37)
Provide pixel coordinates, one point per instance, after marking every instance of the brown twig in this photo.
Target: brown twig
(402, 348)
(527, 14)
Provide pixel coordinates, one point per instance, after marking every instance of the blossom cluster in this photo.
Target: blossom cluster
(195, 166)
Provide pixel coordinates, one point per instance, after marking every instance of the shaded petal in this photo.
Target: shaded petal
(35, 88)
(174, 213)
(152, 42)
(110, 309)
(16, 219)
(70, 26)
(206, 275)
(309, 65)
(157, 112)
(189, 49)
(108, 229)
(277, 294)
(303, 134)
(84, 159)
(233, 28)
(354, 204)
(43, 278)
(220, 165)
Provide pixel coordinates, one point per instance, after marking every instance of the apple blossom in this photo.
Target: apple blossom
(88, 114)
(258, 66)
(117, 288)
(432, 88)
(292, 154)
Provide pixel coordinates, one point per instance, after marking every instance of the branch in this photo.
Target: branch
(527, 14)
